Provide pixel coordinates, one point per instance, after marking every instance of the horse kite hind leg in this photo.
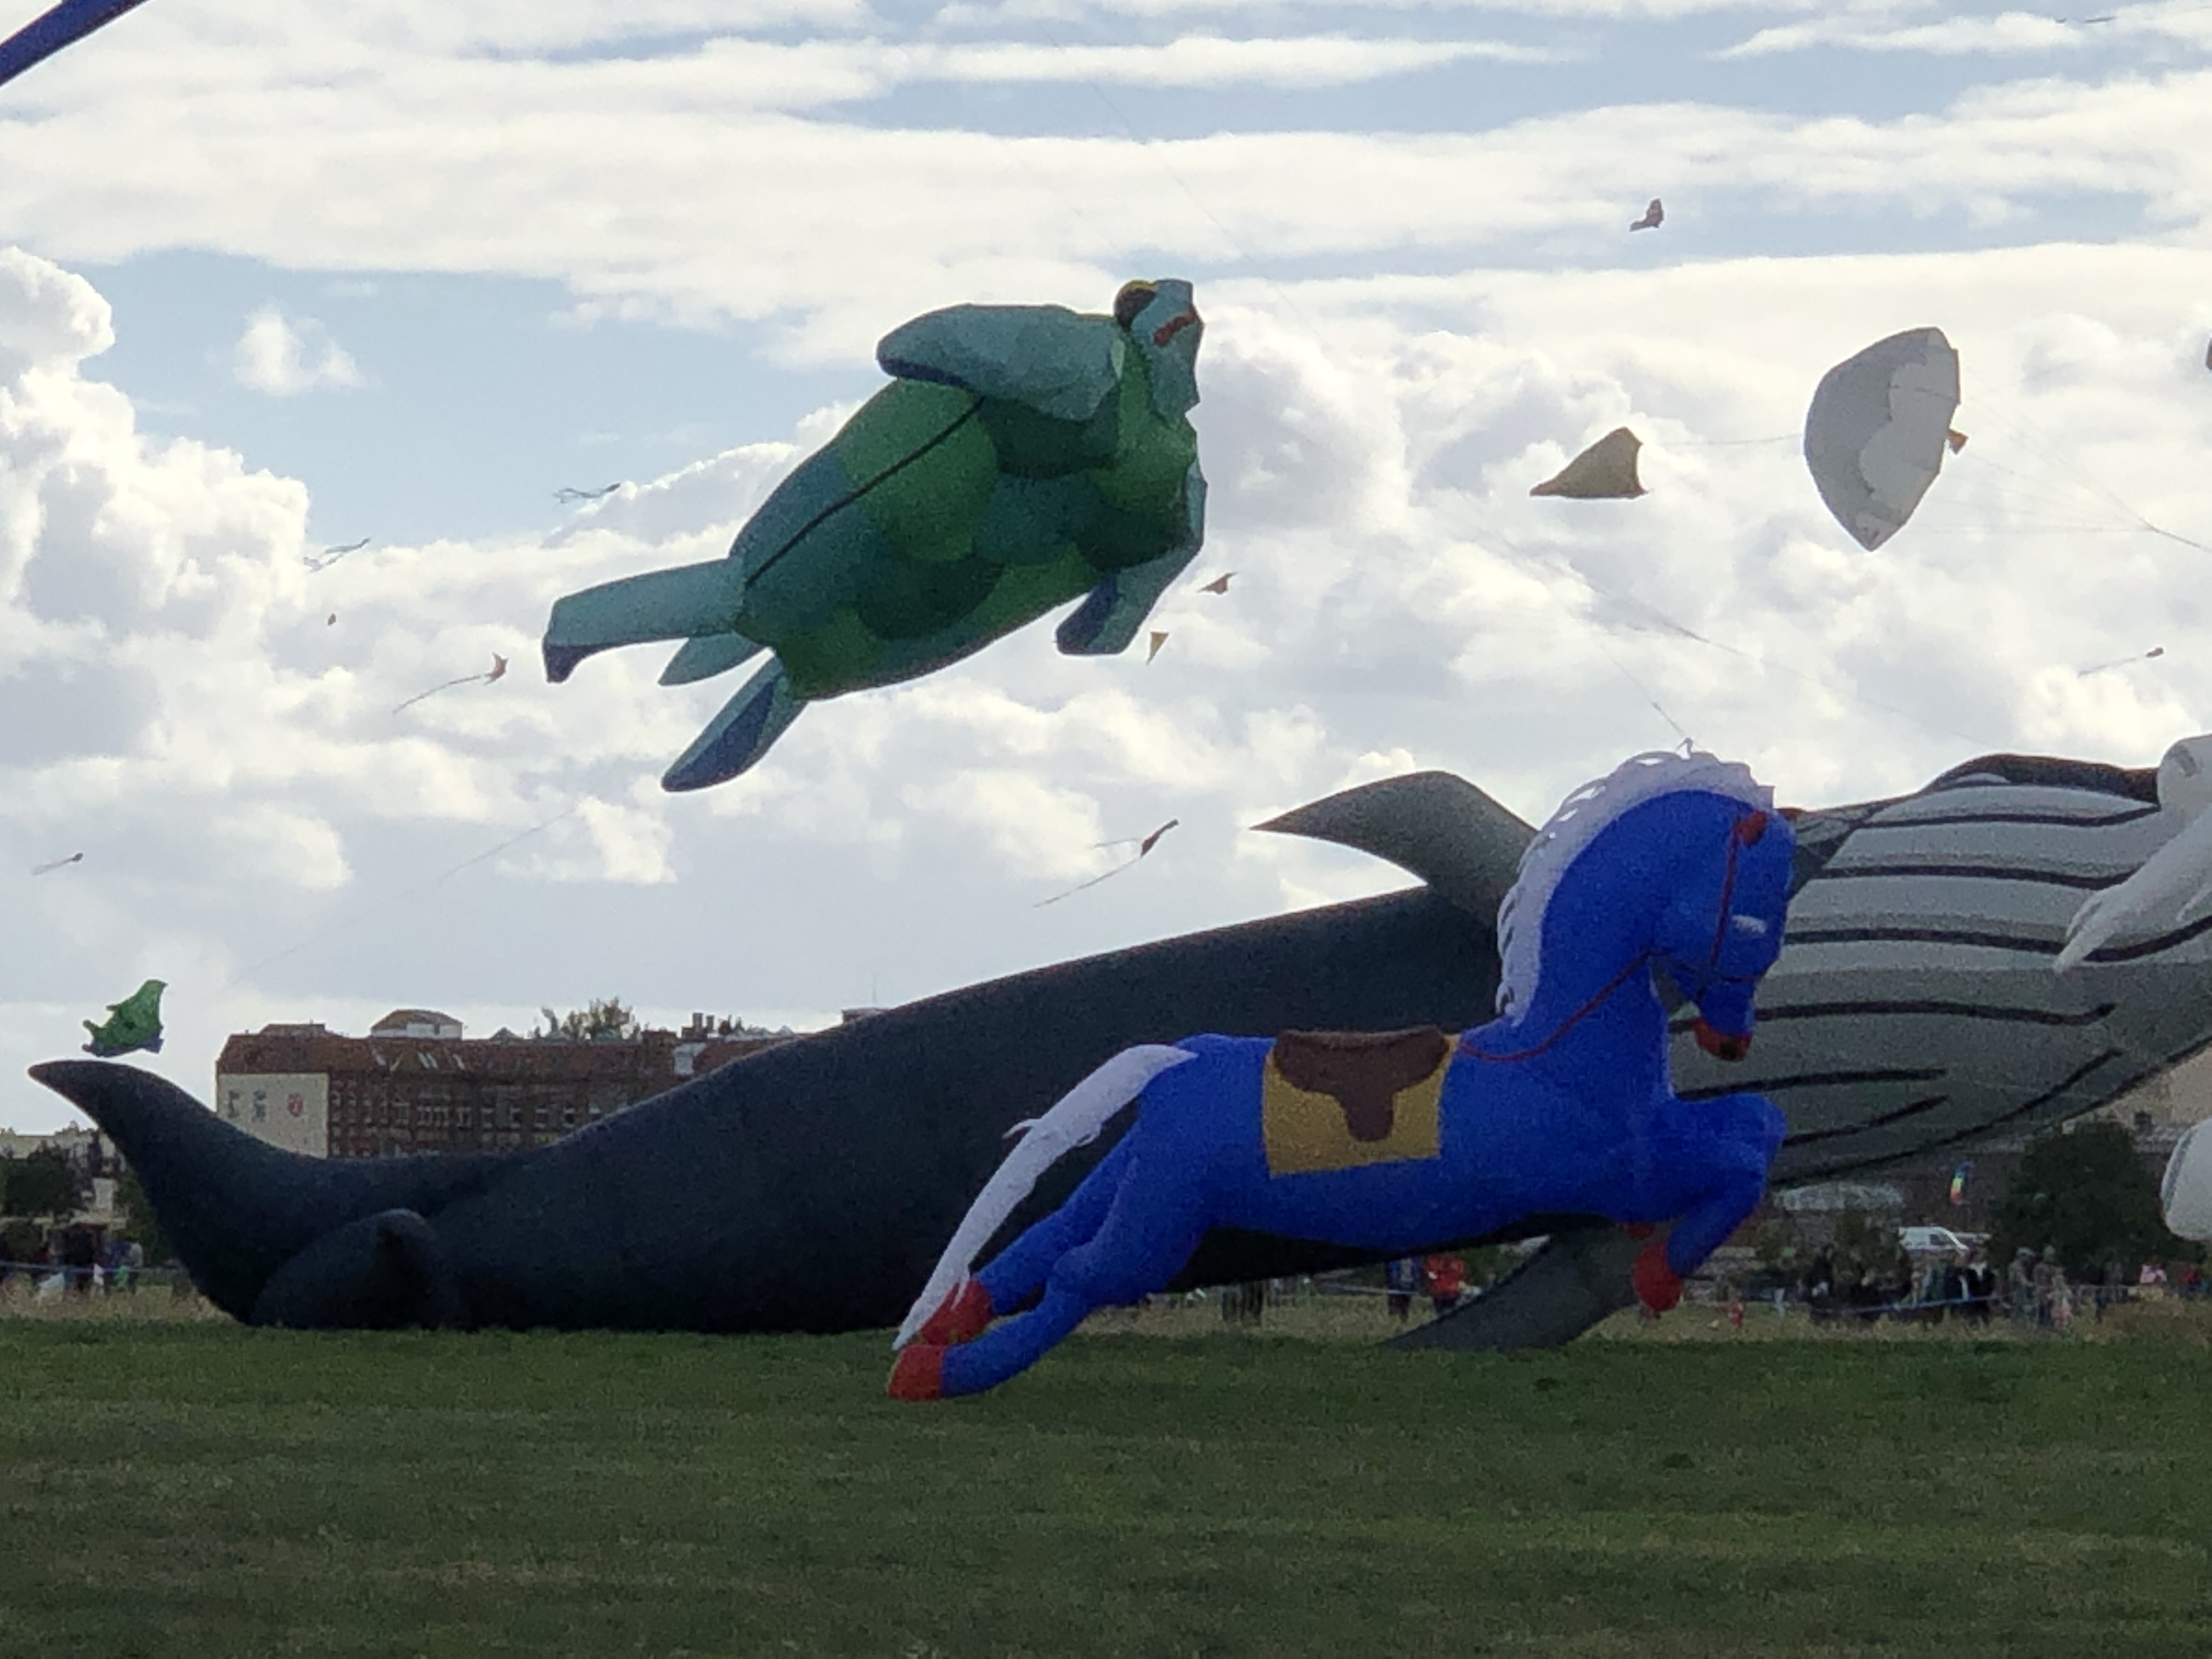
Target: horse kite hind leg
(1124, 1233)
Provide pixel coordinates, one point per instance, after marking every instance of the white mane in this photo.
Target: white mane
(1583, 813)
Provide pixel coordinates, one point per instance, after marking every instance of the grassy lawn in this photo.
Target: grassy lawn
(186, 1487)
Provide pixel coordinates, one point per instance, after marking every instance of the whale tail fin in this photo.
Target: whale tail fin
(236, 1209)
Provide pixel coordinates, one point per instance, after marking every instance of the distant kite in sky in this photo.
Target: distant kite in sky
(1653, 216)
(2151, 655)
(1218, 584)
(1159, 639)
(1605, 471)
(331, 620)
(568, 494)
(132, 1024)
(1143, 847)
(1022, 457)
(497, 672)
(74, 858)
(1878, 428)
(330, 556)
(48, 33)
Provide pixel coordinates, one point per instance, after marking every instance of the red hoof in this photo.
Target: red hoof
(963, 1316)
(919, 1374)
(1638, 1229)
(1658, 1286)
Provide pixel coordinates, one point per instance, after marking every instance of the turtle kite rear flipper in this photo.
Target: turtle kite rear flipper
(734, 739)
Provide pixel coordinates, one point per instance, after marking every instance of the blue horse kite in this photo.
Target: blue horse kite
(1560, 1106)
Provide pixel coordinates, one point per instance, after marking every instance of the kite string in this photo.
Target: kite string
(2033, 437)
(385, 904)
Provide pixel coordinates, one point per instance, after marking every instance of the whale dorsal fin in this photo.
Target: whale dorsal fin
(1431, 824)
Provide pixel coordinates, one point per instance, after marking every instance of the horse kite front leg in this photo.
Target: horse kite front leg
(1724, 1177)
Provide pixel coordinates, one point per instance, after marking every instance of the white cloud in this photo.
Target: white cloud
(698, 185)
(1886, 29)
(283, 358)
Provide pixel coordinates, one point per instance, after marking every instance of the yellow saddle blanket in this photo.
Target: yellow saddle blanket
(1335, 1100)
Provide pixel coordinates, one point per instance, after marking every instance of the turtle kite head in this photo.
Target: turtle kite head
(1165, 326)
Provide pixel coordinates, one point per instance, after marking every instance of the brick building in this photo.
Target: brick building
(415, 1084)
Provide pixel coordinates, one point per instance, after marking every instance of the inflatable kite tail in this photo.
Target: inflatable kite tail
(1075, 1119)
(736, 738)
(663, 604)
(234, 1207)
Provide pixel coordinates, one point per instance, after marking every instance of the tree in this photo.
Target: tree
(2086, 1194)
(43, 1183)
(604, 1019)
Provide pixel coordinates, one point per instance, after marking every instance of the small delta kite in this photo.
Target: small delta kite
(1653, 216)
(491, 677)
(1143, 847)
(1606, 471)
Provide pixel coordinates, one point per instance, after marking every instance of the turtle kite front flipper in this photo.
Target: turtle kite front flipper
(1107, 620)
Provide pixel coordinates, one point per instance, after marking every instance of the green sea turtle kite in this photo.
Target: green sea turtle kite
(1023, 456)
(134, 1023)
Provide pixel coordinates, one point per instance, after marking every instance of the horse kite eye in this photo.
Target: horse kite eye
(1753, 925)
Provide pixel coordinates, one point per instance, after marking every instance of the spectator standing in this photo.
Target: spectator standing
(1447, 1277)
(1401, 1278)
(2043, 1276)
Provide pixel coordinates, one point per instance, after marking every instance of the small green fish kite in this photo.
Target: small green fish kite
(132, 1023)
(1023, 456)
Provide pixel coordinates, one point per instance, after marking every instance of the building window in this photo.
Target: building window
(261, 1106)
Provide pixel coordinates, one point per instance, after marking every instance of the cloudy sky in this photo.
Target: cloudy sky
(280, 275)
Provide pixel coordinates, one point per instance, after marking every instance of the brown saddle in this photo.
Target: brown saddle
(1362, 1071)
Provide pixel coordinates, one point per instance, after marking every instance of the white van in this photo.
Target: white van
(1932, 1240)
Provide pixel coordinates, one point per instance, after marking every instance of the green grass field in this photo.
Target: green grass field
(184, 1487)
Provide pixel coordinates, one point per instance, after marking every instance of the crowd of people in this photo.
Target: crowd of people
(2033, 1289)
(77, 1261)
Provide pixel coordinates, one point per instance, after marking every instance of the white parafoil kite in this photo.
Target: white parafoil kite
(1878, 428)
(2186, 1193)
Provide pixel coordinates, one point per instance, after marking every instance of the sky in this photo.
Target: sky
(278, 277)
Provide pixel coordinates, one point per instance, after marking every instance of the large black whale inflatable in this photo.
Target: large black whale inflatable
(811, 1187)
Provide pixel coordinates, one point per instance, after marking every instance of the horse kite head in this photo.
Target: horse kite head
(1692, 877)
